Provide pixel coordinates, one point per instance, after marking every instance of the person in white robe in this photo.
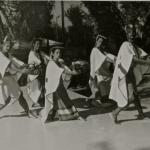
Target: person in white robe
(57, 100)
(130, 66)
(10, 67)
(36, 80)
(100, 74)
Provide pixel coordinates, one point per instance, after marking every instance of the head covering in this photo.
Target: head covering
(7, 40)
(53, 48)
(100, 36)
(37, 39)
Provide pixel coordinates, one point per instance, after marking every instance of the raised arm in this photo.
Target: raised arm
(18, 65)
(70, 72)
(141, 61)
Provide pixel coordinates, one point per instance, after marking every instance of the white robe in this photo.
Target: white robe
(53, 74)
(118, 91)
(96, 60)
(52, 80)
(12, 71)
(8, 83)
(97, 68)
(34, 87)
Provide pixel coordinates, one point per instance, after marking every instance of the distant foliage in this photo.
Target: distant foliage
(135, 13)
(113, 17)
(109, 22)
(26, 19)
(80, 33)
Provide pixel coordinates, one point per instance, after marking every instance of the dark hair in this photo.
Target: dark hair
(100, 36)
(52, 49)
(37, 40)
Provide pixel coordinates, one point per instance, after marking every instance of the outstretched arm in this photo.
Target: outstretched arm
(141, 61)
(18, 66)
(69, 71)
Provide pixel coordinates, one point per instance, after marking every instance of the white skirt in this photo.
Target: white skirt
(9, 88)
(34, 90)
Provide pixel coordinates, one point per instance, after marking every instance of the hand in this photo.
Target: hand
(25, 70)
(36, 72)
(25, 65)
(90, 83)
(77, 72)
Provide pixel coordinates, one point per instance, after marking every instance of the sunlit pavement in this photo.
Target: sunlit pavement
(17, 132)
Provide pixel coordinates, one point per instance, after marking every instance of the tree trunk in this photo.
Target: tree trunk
(7, 23)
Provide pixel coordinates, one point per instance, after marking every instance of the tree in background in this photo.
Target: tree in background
(26, 19)
(80, 33)
(36, 17)
(113, 17)
(75, 15)
(137, 14)
(109, 22)
(5, 22)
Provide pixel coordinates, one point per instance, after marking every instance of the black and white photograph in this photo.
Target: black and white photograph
(74, 75)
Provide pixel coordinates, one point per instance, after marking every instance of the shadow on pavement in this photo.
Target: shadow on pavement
(8, 116)
(91, 110)
(147, 117)
(146, 148)
(80, 103)
(132, 108)
(127, 120)
(101, 146)
(94, 111)
(147, 114)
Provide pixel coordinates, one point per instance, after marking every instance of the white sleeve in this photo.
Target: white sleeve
(4, 62)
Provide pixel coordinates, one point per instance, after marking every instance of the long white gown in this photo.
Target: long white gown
(34, 87)
(56, 97)
(8, 80)
(119, 87)
(99, 71)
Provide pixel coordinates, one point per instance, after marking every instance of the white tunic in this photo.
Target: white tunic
(8, 83)
(99, 69)
(33, 60)
(53, 74)
(96, 60)
(34, 87)
(118, 91)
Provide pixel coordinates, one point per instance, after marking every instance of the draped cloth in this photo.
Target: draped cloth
(56, 97)
(8, 84)
(34, 85)
(33, 60)
(12, 70)
(53, 74)
(99, 71)
(4, 62)
(119, 87)
(96, 61)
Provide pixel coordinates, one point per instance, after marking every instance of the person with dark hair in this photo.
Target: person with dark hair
(132, 62)
(9, 88)
(56, 96)
(36, 80)
(100, 73)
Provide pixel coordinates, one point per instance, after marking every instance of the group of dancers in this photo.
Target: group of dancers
(45, 78)
(48, 84)
(119, 84)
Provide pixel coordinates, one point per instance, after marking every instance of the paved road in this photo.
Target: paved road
(17, 132)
